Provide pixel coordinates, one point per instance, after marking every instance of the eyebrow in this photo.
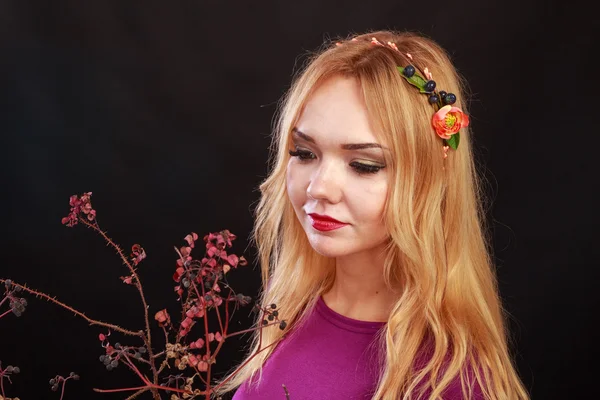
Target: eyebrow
(345, 146)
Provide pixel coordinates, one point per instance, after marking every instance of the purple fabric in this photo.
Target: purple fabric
(329, 357)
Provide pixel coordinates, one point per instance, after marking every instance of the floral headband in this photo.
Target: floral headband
(447, 120)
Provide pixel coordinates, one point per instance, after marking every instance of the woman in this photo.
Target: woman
(371, 238)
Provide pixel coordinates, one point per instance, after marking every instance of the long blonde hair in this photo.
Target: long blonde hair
(437, 254)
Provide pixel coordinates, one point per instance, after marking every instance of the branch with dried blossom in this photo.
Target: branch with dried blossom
(59, 380)
(5, 374)
(201, 288)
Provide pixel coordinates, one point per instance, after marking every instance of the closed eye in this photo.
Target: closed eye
(360, 168)
(366, 168)
(302, 154)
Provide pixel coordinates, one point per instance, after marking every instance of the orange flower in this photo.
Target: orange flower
(448, 120)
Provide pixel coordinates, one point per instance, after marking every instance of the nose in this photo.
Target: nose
(325, 184)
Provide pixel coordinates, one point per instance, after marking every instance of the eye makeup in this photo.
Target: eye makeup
(359, 167)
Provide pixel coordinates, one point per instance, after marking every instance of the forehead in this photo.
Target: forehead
(336, 112)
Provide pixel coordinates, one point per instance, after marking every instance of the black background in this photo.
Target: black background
(164, 109)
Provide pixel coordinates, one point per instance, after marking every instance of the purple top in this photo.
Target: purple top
(328, 356)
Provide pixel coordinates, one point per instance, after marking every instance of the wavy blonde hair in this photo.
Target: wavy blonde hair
(437, 257)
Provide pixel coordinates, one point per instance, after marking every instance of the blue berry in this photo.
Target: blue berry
(433, 99)
(430, 86)
(442, 94)
(282, 325)
(409, 71)
(450, 98)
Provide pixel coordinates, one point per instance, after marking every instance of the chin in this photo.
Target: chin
(335, 245)
(329, 246)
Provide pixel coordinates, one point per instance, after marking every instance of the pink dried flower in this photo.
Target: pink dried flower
(177, 275)
(233, 260)
(79, 205)
(198, 344)
(393, 46)
(427, 73)
(191, 238)
(162, 317)
(375, 41)
(202, 366)
(137, 254)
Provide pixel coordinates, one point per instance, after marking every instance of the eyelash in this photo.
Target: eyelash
(358, 167)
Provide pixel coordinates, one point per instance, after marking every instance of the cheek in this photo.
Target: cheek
(367, 200)
(294, 185)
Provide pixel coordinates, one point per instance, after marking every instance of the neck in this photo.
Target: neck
(359, 291)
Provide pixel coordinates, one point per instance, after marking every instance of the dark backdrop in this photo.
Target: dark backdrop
(163, 111)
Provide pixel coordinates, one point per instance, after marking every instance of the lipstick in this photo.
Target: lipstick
(325, 223)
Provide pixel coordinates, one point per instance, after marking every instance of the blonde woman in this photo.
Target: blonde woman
(371, 238)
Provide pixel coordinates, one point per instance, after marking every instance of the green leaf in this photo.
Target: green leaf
(454, 141)
(414, 80)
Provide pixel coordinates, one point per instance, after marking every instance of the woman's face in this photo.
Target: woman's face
(337, 169)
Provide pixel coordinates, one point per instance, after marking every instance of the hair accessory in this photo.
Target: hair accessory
(447, 120)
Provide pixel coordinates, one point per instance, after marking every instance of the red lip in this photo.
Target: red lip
(325, 223)
(325, 218)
